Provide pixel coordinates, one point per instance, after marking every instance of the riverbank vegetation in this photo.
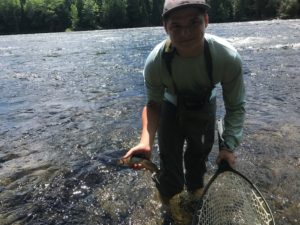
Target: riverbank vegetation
(29, 16)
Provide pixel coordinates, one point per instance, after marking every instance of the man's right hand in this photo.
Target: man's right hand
(137, 150)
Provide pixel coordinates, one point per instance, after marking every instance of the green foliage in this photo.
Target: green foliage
(289, 9)
(138, 13)
(47, 15)
(35, 13)
(74, 17)
(241, 10)
(10, 16)
(270, 8)
(58, 15)
(156, 12)
(24, 16)
(221, 10)
(114, 13)
(89, 15)
(266, 8)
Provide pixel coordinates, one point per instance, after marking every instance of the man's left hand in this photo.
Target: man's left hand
(228, 155)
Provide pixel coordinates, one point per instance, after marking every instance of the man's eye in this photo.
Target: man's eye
(176, 27)
(196, 22)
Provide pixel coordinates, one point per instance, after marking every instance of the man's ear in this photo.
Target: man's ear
(165, 26)
(206, 19)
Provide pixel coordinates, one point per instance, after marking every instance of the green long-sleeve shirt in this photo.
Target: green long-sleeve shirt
(190, 74)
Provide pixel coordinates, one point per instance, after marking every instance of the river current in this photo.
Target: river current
(70, 106)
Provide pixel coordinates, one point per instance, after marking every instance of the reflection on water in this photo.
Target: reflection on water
(70, 106)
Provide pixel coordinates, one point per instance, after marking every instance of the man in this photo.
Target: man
(180, 78)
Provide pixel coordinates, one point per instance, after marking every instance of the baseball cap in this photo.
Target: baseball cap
(172, 5)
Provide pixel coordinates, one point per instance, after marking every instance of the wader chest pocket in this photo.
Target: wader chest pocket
(193, 102)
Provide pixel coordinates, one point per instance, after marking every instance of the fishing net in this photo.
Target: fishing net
(232, 200)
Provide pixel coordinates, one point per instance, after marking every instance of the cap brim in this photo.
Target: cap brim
(200, 6)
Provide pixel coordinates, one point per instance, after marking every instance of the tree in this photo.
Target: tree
(114, 13)
(156, 12)
(221, 10)
(10, 16)
(259, 6)
(57, 15)
(271, 8)
(34, 11)
(74, 17)
(145, 12)
(289, 8)
(138, 12)
(265, 8)
(23, 22)
(89, 15)
(133, 12)
(47, 15)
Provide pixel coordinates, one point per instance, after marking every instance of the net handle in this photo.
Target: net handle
(224, 166)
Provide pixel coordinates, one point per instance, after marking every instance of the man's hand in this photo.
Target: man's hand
(228, 155)
(139, 149)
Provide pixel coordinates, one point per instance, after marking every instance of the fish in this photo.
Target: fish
(146, 163)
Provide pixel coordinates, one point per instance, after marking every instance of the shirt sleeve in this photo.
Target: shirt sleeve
(234, 100)
(153, 82)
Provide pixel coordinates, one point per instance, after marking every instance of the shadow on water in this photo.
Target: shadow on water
(70, 107)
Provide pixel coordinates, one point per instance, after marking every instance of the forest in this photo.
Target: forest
(34, 16)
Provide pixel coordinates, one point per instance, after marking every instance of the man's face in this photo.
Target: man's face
(186, 29)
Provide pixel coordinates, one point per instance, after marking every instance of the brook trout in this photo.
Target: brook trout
(146, 163)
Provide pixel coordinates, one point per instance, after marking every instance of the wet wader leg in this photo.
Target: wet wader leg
(170, 139)
(200, 140)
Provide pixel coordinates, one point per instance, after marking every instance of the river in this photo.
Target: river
(70, 106)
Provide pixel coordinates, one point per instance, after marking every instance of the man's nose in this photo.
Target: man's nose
(186, 31)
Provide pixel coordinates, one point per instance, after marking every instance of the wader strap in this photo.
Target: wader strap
(208, 62)
(169, 53)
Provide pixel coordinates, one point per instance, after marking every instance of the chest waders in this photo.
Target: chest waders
(191, 121)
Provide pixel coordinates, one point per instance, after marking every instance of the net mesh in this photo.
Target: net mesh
(231, 200)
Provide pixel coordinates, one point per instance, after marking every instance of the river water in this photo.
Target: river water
(70, 105)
